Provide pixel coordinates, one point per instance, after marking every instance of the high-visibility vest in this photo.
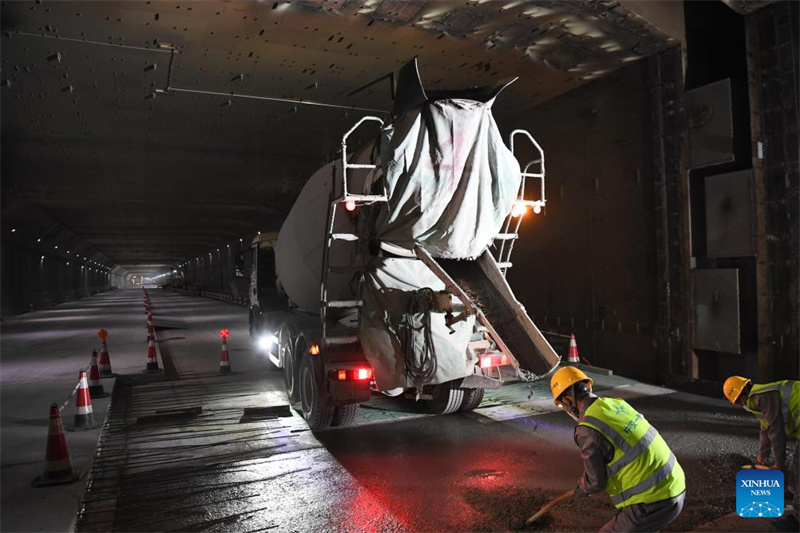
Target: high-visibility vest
(643, 469)
(790, 404)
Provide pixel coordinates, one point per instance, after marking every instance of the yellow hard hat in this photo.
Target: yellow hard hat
(564, 378)
(733, 387)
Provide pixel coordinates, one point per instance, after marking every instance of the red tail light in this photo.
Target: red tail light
(356, 374)
(493, 360)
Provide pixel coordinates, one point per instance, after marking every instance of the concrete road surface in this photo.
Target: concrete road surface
(189, 449)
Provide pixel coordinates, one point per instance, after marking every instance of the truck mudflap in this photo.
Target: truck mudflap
(486, 294)
(347, 392)
(347, 382)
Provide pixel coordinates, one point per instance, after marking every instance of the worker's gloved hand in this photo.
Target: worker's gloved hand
(760, 460)
(777, 466)
(579, 492)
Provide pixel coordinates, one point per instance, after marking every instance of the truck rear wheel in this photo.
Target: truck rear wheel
(318, 415)
(344, 415)
(286, 352)
(447, 398)
(472, 399)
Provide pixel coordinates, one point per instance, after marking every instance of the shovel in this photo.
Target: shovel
(552, 503)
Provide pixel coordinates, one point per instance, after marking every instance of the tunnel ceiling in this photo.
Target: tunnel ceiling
(149, 177)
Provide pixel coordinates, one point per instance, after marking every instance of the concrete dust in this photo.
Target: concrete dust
(721, 470)
(506, 509)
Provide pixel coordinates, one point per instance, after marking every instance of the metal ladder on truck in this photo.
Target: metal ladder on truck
(337, 204)
(510, 232)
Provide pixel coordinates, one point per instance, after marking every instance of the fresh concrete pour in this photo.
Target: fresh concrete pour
(196, 449)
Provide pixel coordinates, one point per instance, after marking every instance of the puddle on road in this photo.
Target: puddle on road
(486, 473)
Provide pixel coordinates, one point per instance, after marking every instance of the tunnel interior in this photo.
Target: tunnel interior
(157, 139)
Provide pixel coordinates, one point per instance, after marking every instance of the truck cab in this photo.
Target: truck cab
(264, 295)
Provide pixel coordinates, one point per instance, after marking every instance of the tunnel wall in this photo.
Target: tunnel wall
(42, 262)
(214, 271)
(28, 280)
(587, 264)
(773, 49)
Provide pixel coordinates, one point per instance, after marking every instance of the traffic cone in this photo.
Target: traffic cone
(95, 383)
(152, 360)
(57, 464)
(573, 351)
(104, 362)
(224, 362)
(84, 417)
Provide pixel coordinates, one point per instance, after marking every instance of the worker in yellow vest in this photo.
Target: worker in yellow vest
(777, 408)
(622, 454)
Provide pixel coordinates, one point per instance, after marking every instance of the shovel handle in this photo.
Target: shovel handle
(541, 512)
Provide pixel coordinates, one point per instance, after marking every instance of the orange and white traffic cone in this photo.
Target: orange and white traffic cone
(152, 360)
(224, 362)
(57, 464)
(95, 383)
(573, 357)
(104, 362)
(84, 416)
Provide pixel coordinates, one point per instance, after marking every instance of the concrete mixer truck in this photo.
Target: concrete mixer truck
(390, 266)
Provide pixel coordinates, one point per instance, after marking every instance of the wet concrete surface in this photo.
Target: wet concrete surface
(486, 475)
(190, 449)
(40, 356)
(185, 456)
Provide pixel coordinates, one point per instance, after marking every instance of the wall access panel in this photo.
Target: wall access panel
(729, 224)
(709, 110)
(716, 299)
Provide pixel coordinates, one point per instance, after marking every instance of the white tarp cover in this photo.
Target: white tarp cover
(450, 178)
(387, 291)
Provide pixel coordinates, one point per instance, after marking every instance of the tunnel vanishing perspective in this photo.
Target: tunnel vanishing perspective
(397, 210)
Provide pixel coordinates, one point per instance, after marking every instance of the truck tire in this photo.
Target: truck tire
(472, 399)
(344, 415)
(318, 415)
(447, 398)
(288, 354)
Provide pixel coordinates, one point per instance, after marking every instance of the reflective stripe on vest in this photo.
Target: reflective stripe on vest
(789, 392)
(643, 469)
(660, 475)
(629, 453)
